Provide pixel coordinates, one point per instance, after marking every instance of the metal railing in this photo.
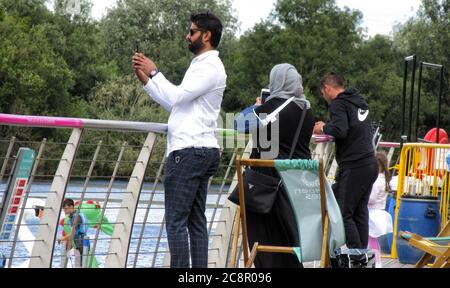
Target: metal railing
(126, 177)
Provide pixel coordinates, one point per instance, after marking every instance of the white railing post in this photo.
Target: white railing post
(219, 247)
(7, 156)
(120, 242)
(42, 254)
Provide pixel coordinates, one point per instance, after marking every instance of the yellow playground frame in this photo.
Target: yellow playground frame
(422, 172)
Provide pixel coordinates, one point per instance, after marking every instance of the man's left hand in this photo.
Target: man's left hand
(318, 127)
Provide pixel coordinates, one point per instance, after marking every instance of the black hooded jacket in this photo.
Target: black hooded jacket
(351, 127)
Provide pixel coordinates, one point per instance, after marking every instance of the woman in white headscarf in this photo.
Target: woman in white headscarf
(278, 227)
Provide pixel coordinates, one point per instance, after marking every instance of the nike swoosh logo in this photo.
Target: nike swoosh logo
(362, 115)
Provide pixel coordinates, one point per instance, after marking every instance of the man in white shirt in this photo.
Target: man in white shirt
(193, 150)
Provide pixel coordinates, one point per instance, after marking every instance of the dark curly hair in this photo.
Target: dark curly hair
(207, 21)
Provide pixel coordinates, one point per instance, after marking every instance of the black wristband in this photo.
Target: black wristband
(153, 73)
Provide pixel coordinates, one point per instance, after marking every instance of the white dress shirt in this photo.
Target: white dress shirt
(194, 105)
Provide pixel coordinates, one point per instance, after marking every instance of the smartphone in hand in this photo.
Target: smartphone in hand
(136, 47)
(265, 93)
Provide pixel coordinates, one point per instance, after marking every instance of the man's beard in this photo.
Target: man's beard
(195, 47)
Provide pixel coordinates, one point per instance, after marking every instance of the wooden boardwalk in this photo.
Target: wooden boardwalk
(387, 263)
(394, 263)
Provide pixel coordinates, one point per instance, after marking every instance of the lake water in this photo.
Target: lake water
(97, 191)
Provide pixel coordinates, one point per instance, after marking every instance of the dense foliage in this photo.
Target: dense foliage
(56, 63)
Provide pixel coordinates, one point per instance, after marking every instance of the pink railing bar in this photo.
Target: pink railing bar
(39, 121)
(327, 138)
(60, 122)
(389, 145)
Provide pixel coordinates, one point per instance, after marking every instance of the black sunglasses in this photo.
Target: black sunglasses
(193, 31)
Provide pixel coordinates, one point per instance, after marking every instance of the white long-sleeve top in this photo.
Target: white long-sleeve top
(378, 195)
(194, 105)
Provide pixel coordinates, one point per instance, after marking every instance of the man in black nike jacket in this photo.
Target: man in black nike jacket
(350, 125)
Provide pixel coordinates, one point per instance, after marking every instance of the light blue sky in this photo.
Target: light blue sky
(379, 15)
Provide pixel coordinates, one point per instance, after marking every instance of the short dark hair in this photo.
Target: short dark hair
(333, 80)
(68, 202)
(207, 21)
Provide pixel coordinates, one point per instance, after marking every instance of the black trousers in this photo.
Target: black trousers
(352, 191)
(187, 173)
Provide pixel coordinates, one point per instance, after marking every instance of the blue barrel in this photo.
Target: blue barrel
(388, 200)
(384, 244)
(420, 216)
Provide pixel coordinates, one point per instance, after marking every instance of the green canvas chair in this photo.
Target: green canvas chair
(319, 220)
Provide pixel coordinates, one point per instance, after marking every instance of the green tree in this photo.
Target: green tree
(427, 35)
(72, 41)
(33, 79)
(377, 74)
(77, 38)
(32, 11)
(83, 50)
(314, 36)
(160, 27)
(123, 99)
